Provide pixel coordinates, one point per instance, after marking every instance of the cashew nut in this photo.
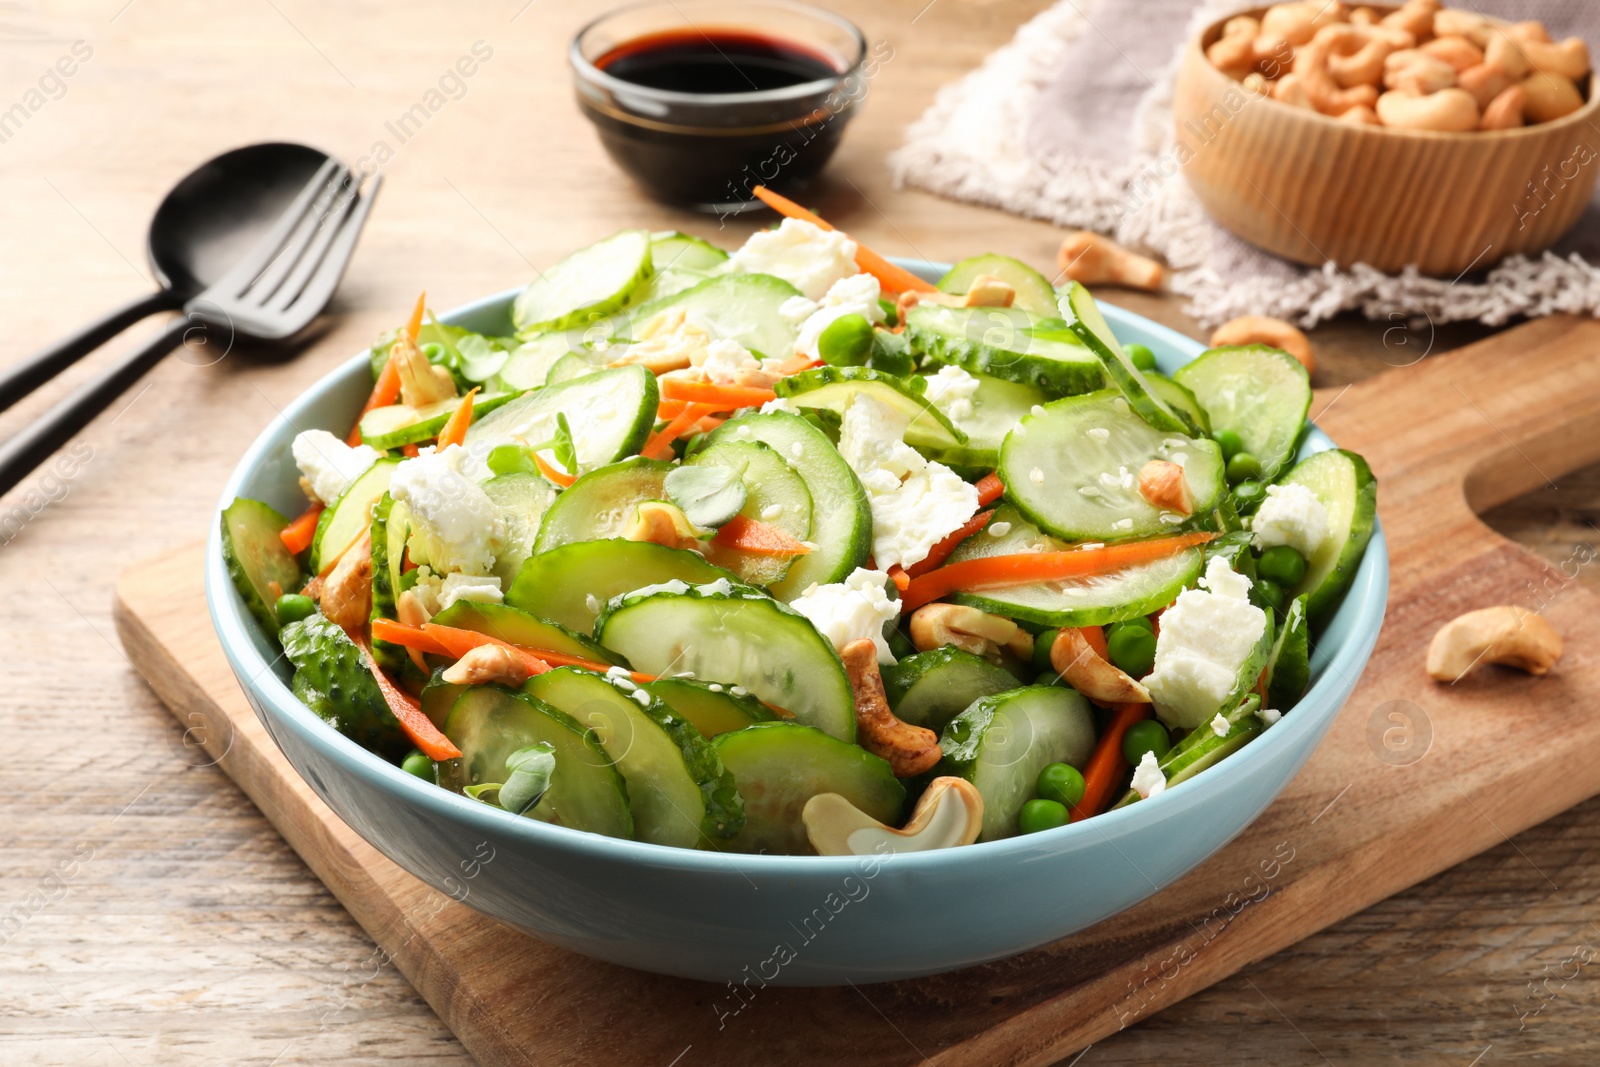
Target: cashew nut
(1504, 112)
(1415, 17)
(1360, 116)
(1290, 90)
(1570, 58)
(1164, 485)
(909, 750)
(1311, 63)
(949, 813)
(1089, 258)
(1459, 52)
(485, 664)
(1091, 673)
(661, 523)
(1502, 52)
(936, 625)
(1507, 635)
(1364, 16)
(1357, 56)
(1528, 31)
(421, 383)
(1234, 51)
(1485, 82)
(1415, 72)
(347, 590)
(1446, 111)
(1470, 25)
(1288, 26)
(1550, 97)
(988, 291)
(1264, 330)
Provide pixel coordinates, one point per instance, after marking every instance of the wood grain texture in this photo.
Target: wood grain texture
(195, 934)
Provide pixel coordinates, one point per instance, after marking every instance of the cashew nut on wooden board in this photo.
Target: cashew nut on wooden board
(1506, 635)
(1418, 67)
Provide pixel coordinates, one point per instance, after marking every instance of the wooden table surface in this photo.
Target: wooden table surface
(148, 913)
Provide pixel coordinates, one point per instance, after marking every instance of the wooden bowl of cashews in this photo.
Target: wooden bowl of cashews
(1415, 135)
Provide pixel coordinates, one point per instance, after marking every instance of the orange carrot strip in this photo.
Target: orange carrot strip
(901, 580)
(298, 535)
(455, 428)
(407, 636)
(723, 397)
(660, 444)
(670, 409)
(455, 638)
(705, 425)
(895, 278)
(1106, 765)
(385, 391)
(417, 726)
(989, 488)
(561, 478)
(757, 538)
(1095, 638)
(410, 451)
(458, 643)
(414, 327)
(994, 572)
(941, 551)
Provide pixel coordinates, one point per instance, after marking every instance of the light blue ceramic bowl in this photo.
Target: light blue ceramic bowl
(774, 919)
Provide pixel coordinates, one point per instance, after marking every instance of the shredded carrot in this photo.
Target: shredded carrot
(408, 712)
(670, 409)
(660, 444)
(455, 428)
(414, 327)
(1106, 766)
(995, 572)
(941, 551)
(410, 451)
(456, 642)
(901, 580)
(556, 477)
(758, 539)
(705, 425)
(989, 488)
(298, 535)
(894, 278)
(721, 397)
(1095, 638)
(385, 391)
(407, 636)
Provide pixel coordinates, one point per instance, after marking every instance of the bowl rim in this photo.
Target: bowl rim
(1196, 52)
(230, 619)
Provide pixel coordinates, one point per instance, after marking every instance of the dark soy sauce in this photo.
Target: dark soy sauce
(714, 62)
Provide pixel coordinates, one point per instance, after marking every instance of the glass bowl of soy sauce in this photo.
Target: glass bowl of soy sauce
(701, 100)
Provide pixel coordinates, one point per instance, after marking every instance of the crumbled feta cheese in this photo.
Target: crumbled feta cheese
(855, 295)
(1100, 433)
(330, 465)
(726, 362)
(852, 610)
(781, 403)
(872, 438)
(797, 309)
(1219, 725)
(455, 524)
(1207, 635)
(1268, 715)
(951, 391)
(1290, 515)
(999, 529)
(483, 589)
(1147, 777)
(801, 253)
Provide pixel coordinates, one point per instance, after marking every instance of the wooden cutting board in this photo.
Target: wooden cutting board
(1413, 777)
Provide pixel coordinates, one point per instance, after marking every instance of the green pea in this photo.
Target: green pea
(1146, 735)
(1062, 783)
(1041, 649)
(1141, 621)
(419, 765)
(1243, 466)
(1039, 815)
(1249, 492)
(511, 459)
(1132, 649)
(292, 607)
(1269, 593)
(891, 355)
(1051, 678)
(1141, 356)
(1283, 565)
(846, 342)
(1230, 443)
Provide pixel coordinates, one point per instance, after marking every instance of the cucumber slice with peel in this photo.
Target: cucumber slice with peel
(1344, 484)
(600, 504)
(1034, 292)
(1179, 399)
(579, 363)
(1260, 393)
(347, 518)
(671, 250)
(1289, 667)
(726, 633)
(1084, 319)
(931, 688)
(530, 363)
(710, 707)
(390, 528)
(1007, 343)
(256, 559)
(1074, 470)
(774, 494)
(1202, 747)
(587, 792)
(733, 307)
(678, 791)
(518, 627)
(396, 425)
(778, 766)
(523, 500)
(997, 407)
(569, 585)
(611, 413)
(1002, 742)
(333, 680)
(833, 389)
(590, 283)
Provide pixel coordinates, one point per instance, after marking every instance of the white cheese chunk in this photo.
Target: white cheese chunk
(456, 527)
(1207, 635)
(805, 255)
(855, 295)
(1147, 777)
(852, 610)
(481, 589)
(1268, 715)
(1219, 725)
(727, 362)
(330, 465)
(1290, 515)
(951, 391)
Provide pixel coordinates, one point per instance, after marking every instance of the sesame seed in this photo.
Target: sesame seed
(1038, 409)
(1100, 433)
(1036, 476)
(999, 529)
(771, 511)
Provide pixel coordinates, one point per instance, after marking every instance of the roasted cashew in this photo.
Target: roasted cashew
(1311, 63)
(936, 625)
(1459, 52)
(1415, 17)
(1364, 16)
(1550, 97)
(1089, 258)
(1415, 72)
(949, 813)
(1264, 330)
(1091, 673)
(1234, 51)
(347, 590)
(1446, 111)
(1287, 25)
(1507, 635)
(1360, 116)
(1291, 90)
(988, 291)
(909, 750)
(1504, 112)
(1570, 58)
(1357, 56)
(1485, 82)
(421, 383)
(1164, 485)
(1528, 31)
(1503, 52)
(485, 664)
(1454, 22)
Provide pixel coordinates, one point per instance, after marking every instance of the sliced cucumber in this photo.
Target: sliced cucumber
(931, 688)
(709, 706)
(1257, 392)
(489, 723)
(1202, 747)
(1179, 399)
(841, 520)
(1007, 343)
(730, 634)
(997, 407)
(774, 494)
(438, 697)
(529, 365)
(833, 388)
(1084, 319)
(1034, 292)
(1002, 742)
(397, 425)
(589, 284)
(1074, 470)
(671, 250)
(611, 413)
(521, 628)
(1093, 601)
(678, 791)
(569, 585)
(523, 500)
(261, 568)
(733, 307)
(347, 518)
(778, 766)
(1348, 491)
(390, 528)
(1289, 668)
(332, 678)
(600, 504)
(579, 363)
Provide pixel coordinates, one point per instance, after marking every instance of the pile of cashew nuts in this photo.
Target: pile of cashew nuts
(1418, 67)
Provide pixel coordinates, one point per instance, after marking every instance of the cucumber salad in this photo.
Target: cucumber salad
(714, 534)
